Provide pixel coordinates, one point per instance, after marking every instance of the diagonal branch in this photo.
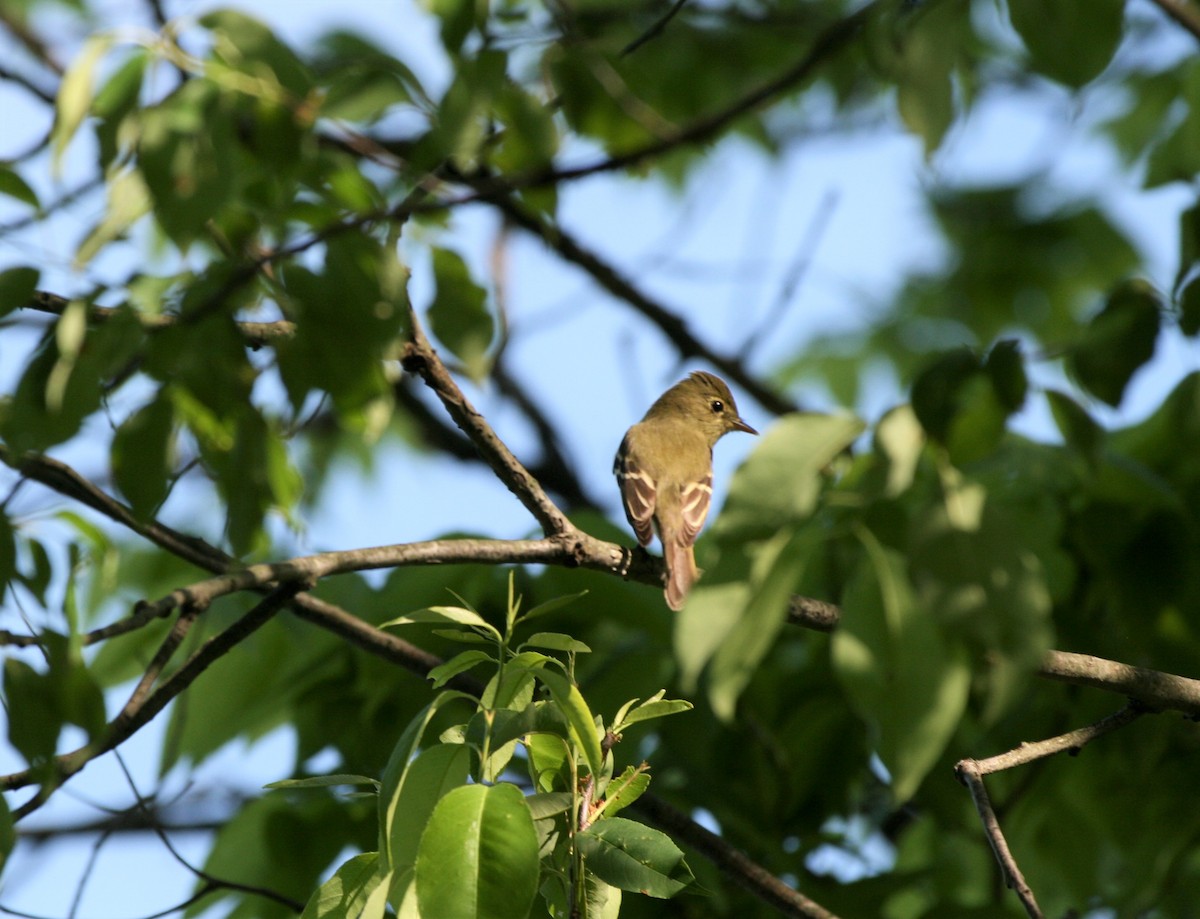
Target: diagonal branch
(971, 772)
(572, 250)
(420, 358)
(969, 775)
(142, 708)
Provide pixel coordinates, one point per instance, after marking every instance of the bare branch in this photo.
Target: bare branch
(1154, 689)
(421, 359)
(749, 874)
(655, 29)
(139, 712)
(1070, 742)
(257, 334)
(572, 250)
(969, 774)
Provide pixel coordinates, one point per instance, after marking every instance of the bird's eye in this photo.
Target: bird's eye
(717, 405)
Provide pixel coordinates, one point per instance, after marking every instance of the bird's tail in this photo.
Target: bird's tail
(681, 571)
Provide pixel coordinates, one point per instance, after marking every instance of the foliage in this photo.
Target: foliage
(268, 231)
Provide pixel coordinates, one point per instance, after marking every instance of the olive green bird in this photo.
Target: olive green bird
(664, 469)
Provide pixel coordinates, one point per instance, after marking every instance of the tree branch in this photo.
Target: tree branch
(971, 772)
(420, 358)
(572, 250)
(969, 775)
(141, 708)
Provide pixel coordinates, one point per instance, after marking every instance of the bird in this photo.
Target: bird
(664, 470)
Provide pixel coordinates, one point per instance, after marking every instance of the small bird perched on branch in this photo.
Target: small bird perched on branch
(664, 468)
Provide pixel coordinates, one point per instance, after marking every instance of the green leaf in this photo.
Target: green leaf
(141, 455)
(658, 708)
(187, 153)
(8, 833)
(625, 789)
(17, 286)
(75, 93)
(458, 315)
(245, 44)
(115, 101)
(902, 675)
(555, 641)
(337, 780)
(128, 201)
(478, 856)
(632, 856)
(583, 726)
(1117, 342)
(402, 753)
(460, 663)
(1189, 308)
(345, 894)
(34, 718)
(443, 614)
(348, 317)
(13, 186)
(779, 483)
(550, 606)
(428, 778)
(8, 554)
(1070, 41)
(1079, 430)
(782, 562)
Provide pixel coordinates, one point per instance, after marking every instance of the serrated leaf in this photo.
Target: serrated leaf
(625, 789)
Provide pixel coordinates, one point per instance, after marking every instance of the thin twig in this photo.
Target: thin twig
(655, 29)
(969, 774)
(134, 717)
(572, 250)
(1070, 742)
(751, 875)
(421, 359)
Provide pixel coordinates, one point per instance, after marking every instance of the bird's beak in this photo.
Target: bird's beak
(740, 425)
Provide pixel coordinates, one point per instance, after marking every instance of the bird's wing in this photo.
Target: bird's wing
(695, 498)
(638, 493)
